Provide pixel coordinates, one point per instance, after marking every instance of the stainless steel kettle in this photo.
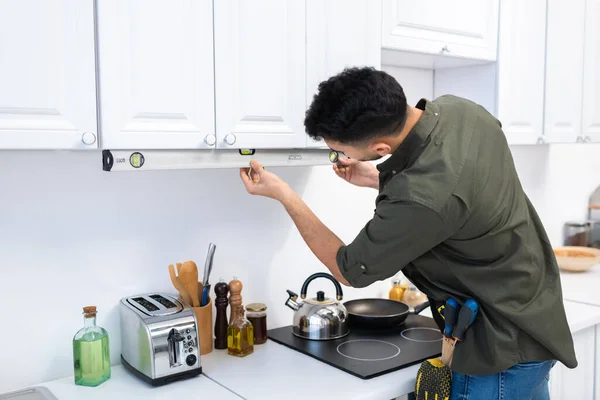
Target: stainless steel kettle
(319, 318)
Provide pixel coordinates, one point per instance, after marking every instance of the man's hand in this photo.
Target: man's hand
(259, 181)
(358, 173)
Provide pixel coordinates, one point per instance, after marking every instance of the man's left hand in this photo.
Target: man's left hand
(262, 182)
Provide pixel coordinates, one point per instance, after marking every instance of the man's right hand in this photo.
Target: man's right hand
(359, 173)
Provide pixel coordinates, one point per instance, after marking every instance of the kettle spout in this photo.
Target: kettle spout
(291, 301)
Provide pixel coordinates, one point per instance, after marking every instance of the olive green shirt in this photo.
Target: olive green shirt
(452, 215)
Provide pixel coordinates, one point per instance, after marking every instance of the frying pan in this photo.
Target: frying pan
(379, 313)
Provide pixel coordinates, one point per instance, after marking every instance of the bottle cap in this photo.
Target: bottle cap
(256, 307)
(89, 310)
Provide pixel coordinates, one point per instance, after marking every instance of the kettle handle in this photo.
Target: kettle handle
(338, 287)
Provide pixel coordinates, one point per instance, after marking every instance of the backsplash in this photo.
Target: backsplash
(73, 235)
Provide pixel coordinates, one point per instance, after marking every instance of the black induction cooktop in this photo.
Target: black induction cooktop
(370, 353)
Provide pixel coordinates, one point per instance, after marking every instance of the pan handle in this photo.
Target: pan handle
(421, 307)
(338, 287)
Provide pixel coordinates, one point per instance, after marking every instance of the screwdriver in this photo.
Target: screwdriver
(466, 316)
(450, 316)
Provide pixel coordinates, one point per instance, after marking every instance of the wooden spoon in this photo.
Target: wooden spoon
(185, 296)
(189, 278)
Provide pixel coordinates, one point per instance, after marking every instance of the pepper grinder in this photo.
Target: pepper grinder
(221, 290)
(235, 298)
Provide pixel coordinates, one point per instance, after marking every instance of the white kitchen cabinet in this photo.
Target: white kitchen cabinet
(520, 70)
(156, 74)
(339, 34)
(260, 73)
(576, 383)
(47, 75)
(512, 88)
(591, 75)
(564, 66)
(463, 29)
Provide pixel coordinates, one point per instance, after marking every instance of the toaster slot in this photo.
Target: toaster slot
(176, 345)
(165, 302)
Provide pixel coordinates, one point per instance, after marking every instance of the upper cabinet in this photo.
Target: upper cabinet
(564, 69)
(341, 34)
(545, 86)
(591, 75)
(521, 63)
(47, 75)
(462, 31)
(260, 73)
(156, 74)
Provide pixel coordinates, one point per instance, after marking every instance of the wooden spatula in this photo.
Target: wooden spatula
(188, 275)
(185, 296)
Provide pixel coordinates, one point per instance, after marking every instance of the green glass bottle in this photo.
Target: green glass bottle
(91, 353)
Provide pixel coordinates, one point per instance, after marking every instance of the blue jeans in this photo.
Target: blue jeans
(525, 381)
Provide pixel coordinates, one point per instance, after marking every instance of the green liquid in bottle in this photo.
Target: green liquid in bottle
(91, 352)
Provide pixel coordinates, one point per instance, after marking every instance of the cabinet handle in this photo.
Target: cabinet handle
(540, 140)
(210, 140)
(88, 138)
(587, 139)
(230, 139)
(579, 139)
(445, 49)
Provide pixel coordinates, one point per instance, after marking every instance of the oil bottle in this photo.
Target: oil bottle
(240, 332)
(91, 352)
(397, 291)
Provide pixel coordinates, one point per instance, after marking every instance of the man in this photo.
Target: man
(451, 214)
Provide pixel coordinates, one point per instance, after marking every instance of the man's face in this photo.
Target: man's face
(360, 153)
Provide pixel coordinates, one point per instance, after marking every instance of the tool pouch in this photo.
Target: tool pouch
(448, 351)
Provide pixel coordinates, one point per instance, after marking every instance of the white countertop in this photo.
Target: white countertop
(123, 385)
(581, 316)
(274, 371)
(582, 286)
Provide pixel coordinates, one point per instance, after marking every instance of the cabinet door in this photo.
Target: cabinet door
(47, 74)
(564, 66)
(156, 74)
(521, 62)
(260, 73)
(576, 383)
(591, 74)
(462, 28)
(339, 34)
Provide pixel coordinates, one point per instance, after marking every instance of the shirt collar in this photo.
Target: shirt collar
(415, 141)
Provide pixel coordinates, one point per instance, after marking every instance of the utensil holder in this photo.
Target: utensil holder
(204, 320)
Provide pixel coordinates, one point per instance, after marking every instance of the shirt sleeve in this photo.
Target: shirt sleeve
(399, 233)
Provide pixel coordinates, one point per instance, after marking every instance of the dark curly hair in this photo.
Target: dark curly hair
(355, 106)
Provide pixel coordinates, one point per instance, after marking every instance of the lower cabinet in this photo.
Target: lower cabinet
(578, 383)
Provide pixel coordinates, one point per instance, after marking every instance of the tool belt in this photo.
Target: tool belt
(434, 378)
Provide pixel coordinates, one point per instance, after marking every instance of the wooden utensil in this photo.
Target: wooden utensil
(185, 296)
(178, 268)
(189, 278)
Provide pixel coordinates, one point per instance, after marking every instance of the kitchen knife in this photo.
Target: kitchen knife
(450, 316)
(466, 316)
(207, 270)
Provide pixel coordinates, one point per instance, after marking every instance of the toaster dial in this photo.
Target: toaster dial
(190, 360)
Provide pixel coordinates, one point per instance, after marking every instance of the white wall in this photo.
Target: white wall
(72, 235)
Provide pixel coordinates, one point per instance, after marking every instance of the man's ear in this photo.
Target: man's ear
(381, 148)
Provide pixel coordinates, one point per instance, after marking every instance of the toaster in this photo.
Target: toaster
(159, 338)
